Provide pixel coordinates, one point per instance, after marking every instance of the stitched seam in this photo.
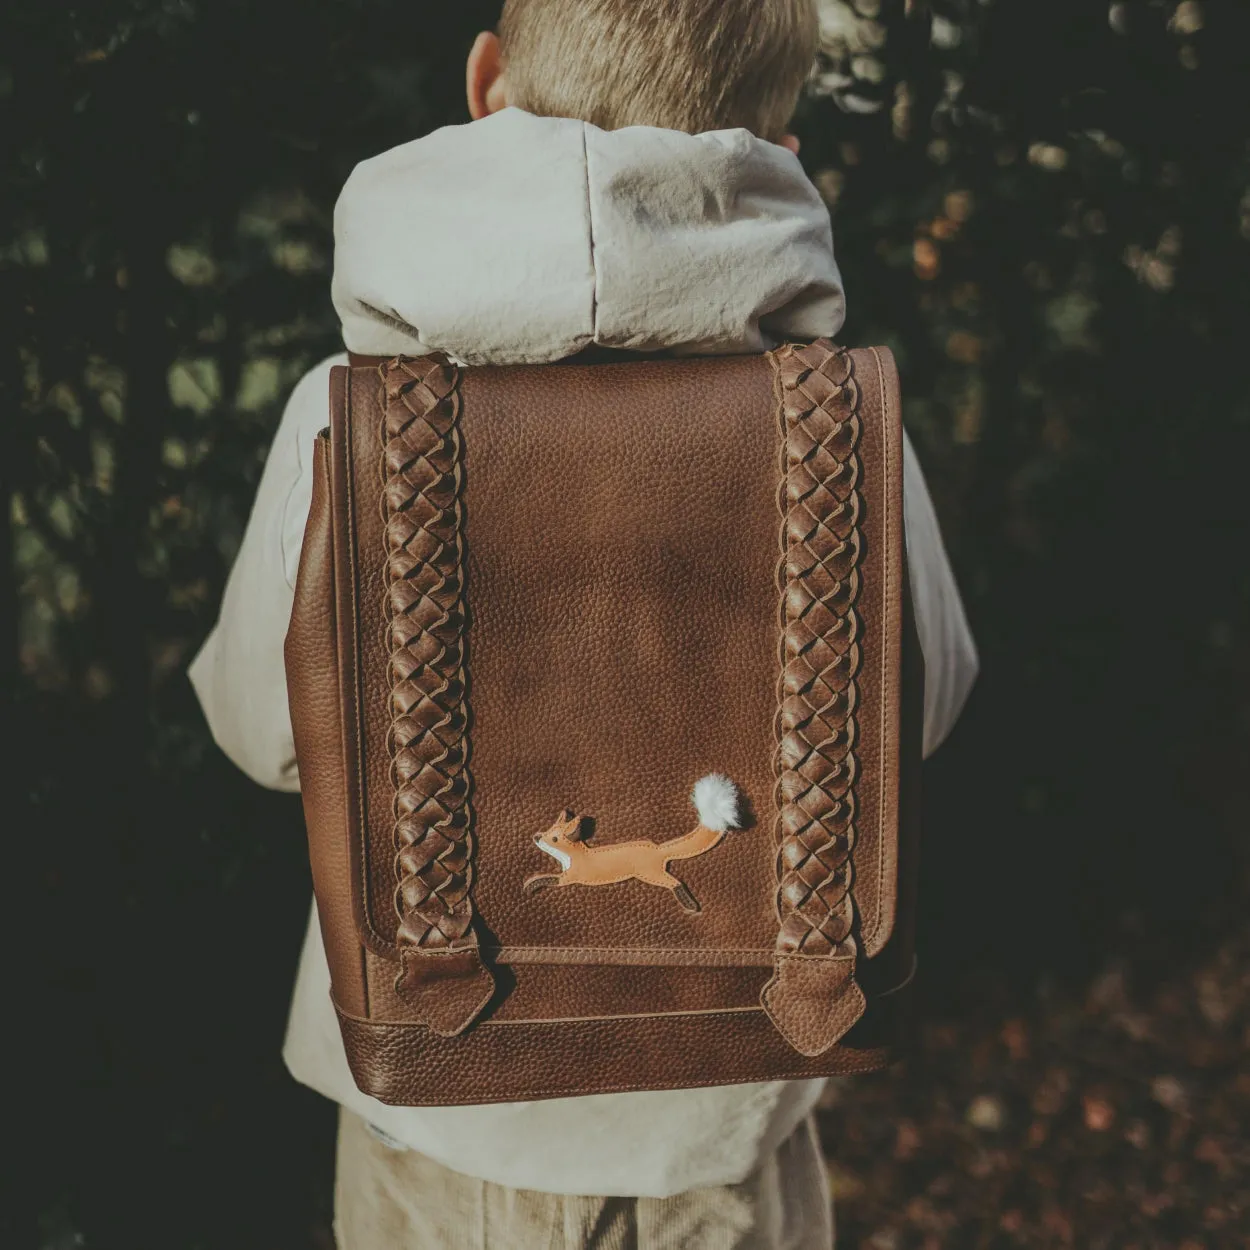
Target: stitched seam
(353, 553)
(886, 683)
(501, 953)
(641, 950)
(827, 959)
(780, 583)
(628, 1015)
(499, 1024)
(329, 496)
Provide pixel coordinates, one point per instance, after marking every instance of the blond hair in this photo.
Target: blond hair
(690, 65)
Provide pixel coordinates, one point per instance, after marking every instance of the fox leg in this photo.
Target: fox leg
(665, 880)
(540, 881)
(682, 894)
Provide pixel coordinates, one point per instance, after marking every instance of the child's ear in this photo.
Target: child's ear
(791, 143)
(485, 84)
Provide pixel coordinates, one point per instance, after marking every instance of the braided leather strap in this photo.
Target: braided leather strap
(812, 996)
(441, 974)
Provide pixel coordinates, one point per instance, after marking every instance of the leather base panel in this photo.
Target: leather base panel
(407, 1065)
(313, 687)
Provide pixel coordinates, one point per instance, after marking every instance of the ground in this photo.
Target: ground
(1113, 1117)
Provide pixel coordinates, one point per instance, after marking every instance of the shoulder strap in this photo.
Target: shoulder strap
(813, 997)
(442, 973)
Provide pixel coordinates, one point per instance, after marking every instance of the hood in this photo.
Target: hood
(523, 239)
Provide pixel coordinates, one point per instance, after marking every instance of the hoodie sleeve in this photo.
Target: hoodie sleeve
(238, 674)
(950, 655)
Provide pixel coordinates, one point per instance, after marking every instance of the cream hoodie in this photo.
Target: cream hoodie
(524, 239)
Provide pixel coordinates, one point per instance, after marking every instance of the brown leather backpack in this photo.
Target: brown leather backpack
(539, 609)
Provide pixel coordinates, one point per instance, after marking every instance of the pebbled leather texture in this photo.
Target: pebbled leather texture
(405, 1065)
(814, 1000)
(557, 587)
(314, 694)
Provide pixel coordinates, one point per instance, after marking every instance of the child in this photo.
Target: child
(627, 181)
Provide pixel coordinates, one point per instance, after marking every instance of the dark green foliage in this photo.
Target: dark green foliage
(1077, 213)
(1049, 222)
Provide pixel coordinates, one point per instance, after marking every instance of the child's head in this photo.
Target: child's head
(690, 65)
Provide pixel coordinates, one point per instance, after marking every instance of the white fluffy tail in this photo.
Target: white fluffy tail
(716, 800)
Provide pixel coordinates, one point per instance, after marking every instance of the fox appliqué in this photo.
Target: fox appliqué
(715, 799)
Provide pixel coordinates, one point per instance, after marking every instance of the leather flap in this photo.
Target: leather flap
(621, 538)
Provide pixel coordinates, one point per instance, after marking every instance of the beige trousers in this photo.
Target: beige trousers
(388, 1199)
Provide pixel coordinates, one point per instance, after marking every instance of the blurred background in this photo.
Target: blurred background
(1042, 206)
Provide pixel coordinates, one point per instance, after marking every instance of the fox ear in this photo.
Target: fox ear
(574, 828)
(565, 816)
